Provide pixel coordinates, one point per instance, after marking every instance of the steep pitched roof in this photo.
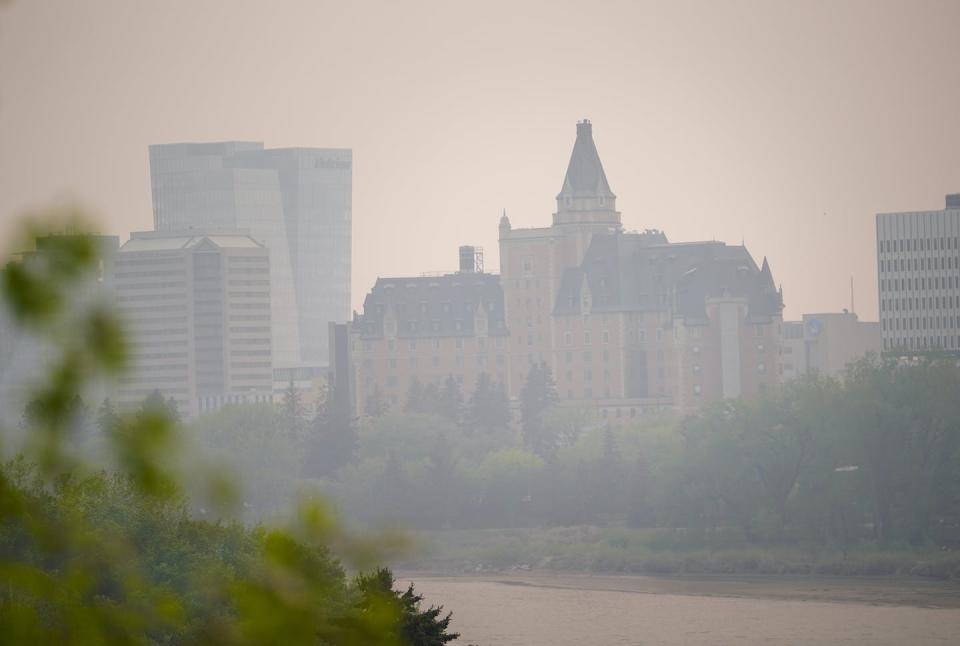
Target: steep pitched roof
(434, 306)
(585, 176)
(634, 272)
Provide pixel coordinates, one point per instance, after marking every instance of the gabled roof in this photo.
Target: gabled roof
(585, 176)
(161, 241)
(634, 272)
(434, 306)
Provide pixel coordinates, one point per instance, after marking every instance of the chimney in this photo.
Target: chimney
(953, 201)
(467, 254)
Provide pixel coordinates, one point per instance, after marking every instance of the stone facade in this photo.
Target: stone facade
(628, 322)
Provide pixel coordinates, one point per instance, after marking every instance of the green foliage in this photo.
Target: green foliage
(450, 405)
(538, 396)
(872, 458)
(332, 441)
(417, 627)
(90, 556)
(488, 411)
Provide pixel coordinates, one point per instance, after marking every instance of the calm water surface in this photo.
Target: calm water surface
(488, 613)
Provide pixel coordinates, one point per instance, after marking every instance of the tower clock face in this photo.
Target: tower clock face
(814, 327)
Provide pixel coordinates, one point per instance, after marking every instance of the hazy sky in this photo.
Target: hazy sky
(786, 125)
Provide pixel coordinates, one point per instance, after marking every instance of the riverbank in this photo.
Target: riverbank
(662, 553)
(557, 609)
(886, 591)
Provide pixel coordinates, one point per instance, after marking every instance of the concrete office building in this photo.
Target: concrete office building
(197, 308)
(918, 268)
(826, 343)
(296, 201)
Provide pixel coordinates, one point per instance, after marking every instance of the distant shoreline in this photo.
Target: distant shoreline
(871, 590)
(656, 553)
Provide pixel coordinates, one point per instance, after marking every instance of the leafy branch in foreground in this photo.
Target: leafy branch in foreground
(89, 556)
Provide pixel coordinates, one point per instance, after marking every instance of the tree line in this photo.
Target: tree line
(874, 456)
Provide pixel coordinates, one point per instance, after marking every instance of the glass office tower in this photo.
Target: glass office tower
(297, 201)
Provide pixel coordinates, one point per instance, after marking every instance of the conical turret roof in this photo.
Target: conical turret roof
(585, 176)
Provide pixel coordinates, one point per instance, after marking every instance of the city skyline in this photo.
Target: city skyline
(847, 114)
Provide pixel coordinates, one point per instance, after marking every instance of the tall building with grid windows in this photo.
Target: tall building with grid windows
(918, 269)
(296, 201)
(197, 314)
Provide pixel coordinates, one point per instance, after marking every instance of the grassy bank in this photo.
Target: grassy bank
(665, 552)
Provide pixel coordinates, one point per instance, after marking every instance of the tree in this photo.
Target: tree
(155, 404)
(107, 417)
(292, 408)
(376, 404)
(416, 627)
(333, 442)
(488, 411)
(450, 401)
(415, 403)
(538, 395)
(96, 557)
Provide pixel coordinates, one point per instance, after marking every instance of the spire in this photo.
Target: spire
(585, 176)
(586, 197)
(766, 277)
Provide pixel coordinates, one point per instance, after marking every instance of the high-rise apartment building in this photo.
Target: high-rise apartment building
(197, 311)
(296, 201)
(918, 270)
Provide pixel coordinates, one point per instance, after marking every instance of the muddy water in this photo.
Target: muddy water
(558, 610)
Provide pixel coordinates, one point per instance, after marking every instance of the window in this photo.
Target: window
(696, 389)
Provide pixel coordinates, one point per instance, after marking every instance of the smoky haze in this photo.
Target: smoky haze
(534, 305)
(785, 126)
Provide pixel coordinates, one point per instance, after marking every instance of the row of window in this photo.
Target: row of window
(911, 304)
(414, 362)
(588, 338)
(937, 263)
(922, 282)
(919, 323)
(918, 244)
(938, 342)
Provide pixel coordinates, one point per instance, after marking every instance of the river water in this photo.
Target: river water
(557, 611)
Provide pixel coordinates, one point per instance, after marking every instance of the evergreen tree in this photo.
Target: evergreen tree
(292, 408)
(450, 403)
(430, 401)
(155, 403)
(414, 402)
(376, 404)
(539, 394)
(107, 417)
(488, 411)
(417, 627)
(333, 442)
